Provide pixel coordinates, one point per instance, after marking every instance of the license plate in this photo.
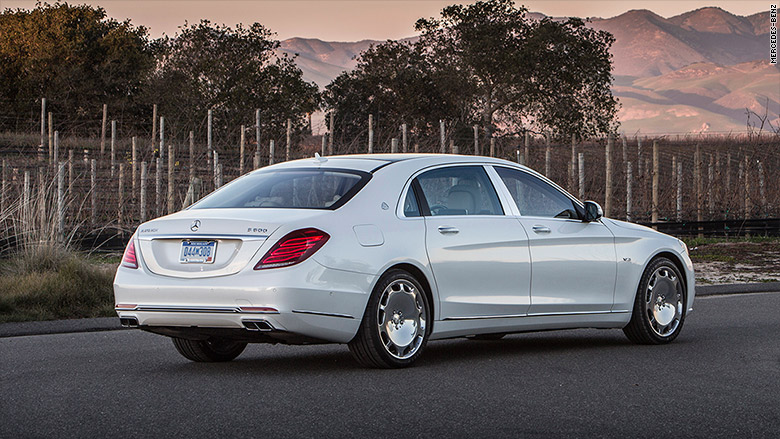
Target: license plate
(198, 252)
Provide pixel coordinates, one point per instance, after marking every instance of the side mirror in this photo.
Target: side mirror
(592, 211)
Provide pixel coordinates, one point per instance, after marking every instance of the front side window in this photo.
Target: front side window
(535, 197)
(288, 188)
(459, 190)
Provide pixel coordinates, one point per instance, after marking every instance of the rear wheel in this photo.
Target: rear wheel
(207, 351)
(659, 307)
(395, 327)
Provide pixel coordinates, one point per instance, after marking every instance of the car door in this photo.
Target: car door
(479, 256)
(574, 262)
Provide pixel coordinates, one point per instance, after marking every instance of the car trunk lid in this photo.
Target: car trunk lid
(200, 243)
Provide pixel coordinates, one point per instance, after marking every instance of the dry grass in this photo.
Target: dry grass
(52, 283)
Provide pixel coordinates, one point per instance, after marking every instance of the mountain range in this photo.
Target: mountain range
(694, 72)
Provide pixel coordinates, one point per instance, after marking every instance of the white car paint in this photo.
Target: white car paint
(495, 275)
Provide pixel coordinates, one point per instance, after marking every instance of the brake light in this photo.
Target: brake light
(293, 248)
(128, 259)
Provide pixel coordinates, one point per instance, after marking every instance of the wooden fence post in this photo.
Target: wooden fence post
(629, 181)
(608, 186)
(4, 187)
(394, 145)
(370, 133)
(748, 200)
(192, 156)
(43, 122)
(162, 137)
(143, 193)
(404, 139)
(492, 147)
(26, 197)
(51, 135)
(70, 170)
(171, 177)
(93, 190)
(56, 147)
(728, 175)
(573, 163)
(761, 187)
(527, 150)
(698, 176)
(103, 129)
(216, 170)
(60, 200)
(121, 195)
(547, 154)
(442, 137)
(242, 151)
(710, 183)
(581, 169)
(134, 168)
(157, 187)
(656, 164)
(324, 143)
(476, 140)
(113, 147)
(42, 202)
(209, 146)
(257, 137)
(519, 159)
(289, 140)
(416, 147)
(679, 172)
(219, 175)
(641, 177)
(453, 147)
(154, 126)
(271, 153)
(332, 134)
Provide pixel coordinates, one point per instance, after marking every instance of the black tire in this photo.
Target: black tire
(369, 348)
(487, 337)
(208, 351)
(643, 328)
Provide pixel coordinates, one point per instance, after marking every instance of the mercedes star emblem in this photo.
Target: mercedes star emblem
(195, 225)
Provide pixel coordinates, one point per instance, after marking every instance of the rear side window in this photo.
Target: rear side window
(289, 188)
(459, 190)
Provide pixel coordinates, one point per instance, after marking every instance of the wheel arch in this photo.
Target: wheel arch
(677, 263)
(423, 279)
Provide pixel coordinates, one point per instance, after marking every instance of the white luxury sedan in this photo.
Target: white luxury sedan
(386, 252)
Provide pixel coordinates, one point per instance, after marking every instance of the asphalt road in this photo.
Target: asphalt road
(719, 379)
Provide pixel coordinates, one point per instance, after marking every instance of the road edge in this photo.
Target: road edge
(20, 329)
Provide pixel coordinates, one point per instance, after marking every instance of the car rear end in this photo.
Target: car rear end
(240, 267)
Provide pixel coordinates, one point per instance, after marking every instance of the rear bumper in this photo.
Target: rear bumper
(306, 300)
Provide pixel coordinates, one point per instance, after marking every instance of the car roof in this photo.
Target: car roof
(373, 162)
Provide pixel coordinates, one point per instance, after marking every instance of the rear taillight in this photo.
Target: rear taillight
(128, 259)
(293, 248)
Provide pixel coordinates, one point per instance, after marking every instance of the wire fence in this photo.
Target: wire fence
(76, 186)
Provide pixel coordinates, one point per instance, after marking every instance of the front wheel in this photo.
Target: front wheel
(207, 351)
(395, 327)
(659, 307)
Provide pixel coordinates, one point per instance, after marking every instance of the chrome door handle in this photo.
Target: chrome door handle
(448, 229)
(541, 229)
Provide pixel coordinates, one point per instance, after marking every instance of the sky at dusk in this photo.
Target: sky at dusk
(354, 20)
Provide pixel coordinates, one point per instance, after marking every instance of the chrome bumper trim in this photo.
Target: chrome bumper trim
(318, 313)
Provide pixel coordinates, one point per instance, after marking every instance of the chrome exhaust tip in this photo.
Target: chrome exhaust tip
(128, 322)
(258, 325)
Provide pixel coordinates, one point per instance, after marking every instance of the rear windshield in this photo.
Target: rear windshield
(289, 188)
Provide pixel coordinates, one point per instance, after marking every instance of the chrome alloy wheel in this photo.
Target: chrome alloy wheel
(664, 301)
(401, 319)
